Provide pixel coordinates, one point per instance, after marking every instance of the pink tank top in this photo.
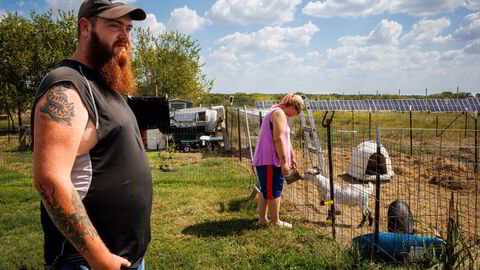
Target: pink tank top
(265, 152)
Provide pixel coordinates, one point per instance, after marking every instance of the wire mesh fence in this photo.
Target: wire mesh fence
(428, 178)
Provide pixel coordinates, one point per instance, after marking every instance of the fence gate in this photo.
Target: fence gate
(312, 149)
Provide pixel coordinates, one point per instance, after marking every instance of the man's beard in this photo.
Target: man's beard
(115, 70)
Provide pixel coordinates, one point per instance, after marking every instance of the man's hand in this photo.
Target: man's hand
(111, 262)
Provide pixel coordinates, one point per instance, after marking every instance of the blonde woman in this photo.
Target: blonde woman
(274, 156)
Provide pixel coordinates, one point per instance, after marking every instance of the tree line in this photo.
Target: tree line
(164, 64)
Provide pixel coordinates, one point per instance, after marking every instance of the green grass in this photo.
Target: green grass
(197, 221)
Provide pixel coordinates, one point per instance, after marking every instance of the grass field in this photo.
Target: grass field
(199, 220)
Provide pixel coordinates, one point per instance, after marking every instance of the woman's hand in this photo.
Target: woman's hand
(285, 168)
(294, 163)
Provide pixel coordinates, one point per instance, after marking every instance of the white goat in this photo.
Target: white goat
(344, 195)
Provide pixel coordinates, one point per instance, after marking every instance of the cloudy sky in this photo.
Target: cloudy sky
(326, 46)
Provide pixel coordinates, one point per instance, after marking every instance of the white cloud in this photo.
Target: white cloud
(473, 48)
(224, 54)
(66, 5)
(238, 55)
(353, 68)
(472, 4)
(385, 32)
(270, 12)
(186, 20)
(427, 31)
(356, 8)
(151, 23)
(469, 28)
(346, 8)
(272, 39)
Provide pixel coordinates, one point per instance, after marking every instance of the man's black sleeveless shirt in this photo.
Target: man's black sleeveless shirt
(113, 179)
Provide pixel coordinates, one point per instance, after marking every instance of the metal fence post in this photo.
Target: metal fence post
(327, 124)
(476, 144)
(239, 135)
(226, 121)
(411, 133)
(377, 195)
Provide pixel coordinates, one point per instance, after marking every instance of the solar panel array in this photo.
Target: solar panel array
(398, 105)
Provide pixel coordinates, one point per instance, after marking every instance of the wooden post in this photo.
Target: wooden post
(226, 121)
(231, 133)
(239, 135)
(249, 139)
(8, 127)
(370, 126)
(353, 120)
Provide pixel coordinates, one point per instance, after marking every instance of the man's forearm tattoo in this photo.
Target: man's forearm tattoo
(76, 226)
(57, 106)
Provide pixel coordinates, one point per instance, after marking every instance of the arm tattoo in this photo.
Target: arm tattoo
(76, 226)
(57, 106)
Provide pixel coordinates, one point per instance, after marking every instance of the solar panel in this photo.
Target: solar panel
(328, 106)
(472, 104)
(431, 105)
(463, 104)
(475, 104)
(348, 105)
(412, 105)
(259, 104)
(336, 105)
(402, 105)
(415, 106)
(443, 105)
(422, 105)
(460, 105)
(363, 105)
(369, 105)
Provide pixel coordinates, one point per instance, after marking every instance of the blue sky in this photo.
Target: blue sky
(327, 46)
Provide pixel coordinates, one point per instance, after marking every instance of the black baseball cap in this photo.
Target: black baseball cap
(110, 9)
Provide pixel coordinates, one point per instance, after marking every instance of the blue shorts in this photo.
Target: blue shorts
(271, 181)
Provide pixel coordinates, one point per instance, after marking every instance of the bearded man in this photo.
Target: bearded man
(90, 166)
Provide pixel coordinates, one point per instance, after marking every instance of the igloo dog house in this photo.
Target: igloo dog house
(363, 163)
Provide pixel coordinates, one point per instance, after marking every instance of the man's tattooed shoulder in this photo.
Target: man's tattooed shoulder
(57, 106)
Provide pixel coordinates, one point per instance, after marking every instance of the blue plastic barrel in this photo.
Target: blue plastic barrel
(398, 246)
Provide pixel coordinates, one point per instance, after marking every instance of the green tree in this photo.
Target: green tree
(169, 64)
(30, 48)
(16, 61)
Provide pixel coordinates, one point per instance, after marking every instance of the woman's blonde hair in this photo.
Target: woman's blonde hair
(292, 100)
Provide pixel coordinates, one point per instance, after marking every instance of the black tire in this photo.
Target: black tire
(186, 148)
